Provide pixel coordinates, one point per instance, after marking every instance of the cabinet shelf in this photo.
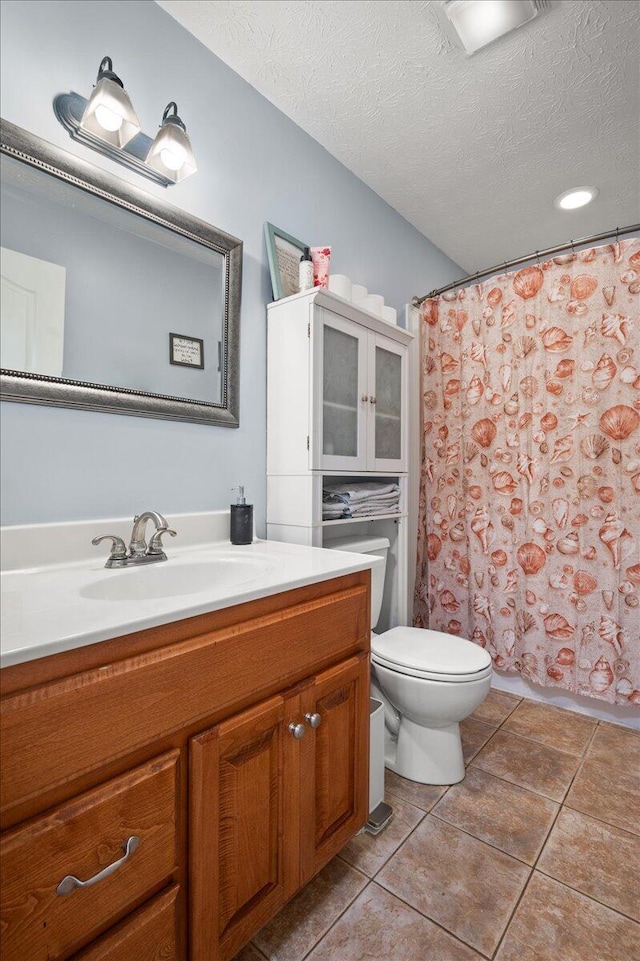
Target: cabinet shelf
(395, 515)
(334, 405)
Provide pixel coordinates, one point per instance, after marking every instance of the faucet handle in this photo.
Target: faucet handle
(118, 548)
(155, 544)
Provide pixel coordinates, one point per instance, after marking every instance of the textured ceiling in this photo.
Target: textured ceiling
(471, 151)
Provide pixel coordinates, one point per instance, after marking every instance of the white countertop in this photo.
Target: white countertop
(60, 607)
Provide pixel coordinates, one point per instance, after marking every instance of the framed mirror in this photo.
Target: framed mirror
(112, 300)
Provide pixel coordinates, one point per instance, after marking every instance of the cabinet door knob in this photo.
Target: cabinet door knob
(298, 730)
(314, 719)
(365, 398)
(373, 400)
(70, 883)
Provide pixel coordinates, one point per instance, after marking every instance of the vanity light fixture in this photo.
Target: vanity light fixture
(107, 122)
(109, 113)
(480, 22)
(576, 197)
(171, 151)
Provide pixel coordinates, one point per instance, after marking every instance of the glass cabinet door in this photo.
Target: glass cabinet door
(388, 377)
(341, 407)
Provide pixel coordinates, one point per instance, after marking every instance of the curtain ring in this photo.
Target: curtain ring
(538, 257)
(617, 232)
(573, 249)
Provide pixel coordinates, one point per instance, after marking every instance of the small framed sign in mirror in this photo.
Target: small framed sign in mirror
(186, 351)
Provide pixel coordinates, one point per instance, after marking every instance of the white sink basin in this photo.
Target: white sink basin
(167, 579)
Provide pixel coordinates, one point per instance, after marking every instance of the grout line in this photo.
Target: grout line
(550, 747)
(256, 948)
(600, 820)
(512, 915)
(427, 917)
(494, 847)
(342, 913)
(589, 897)
(580, 765)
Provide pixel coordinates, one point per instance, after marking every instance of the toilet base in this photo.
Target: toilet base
(425, 754)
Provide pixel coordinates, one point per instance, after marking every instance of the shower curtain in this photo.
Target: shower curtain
(529, 535)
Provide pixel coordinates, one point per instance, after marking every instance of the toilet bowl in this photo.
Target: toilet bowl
(429, 682)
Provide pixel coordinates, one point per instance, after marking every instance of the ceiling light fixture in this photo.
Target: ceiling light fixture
(576, 197)
(109, 113)
(480, 22)
(107, 122)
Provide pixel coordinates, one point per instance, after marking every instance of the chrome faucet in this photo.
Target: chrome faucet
(139, 552)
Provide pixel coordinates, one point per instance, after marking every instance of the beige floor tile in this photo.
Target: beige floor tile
(379, 926)
(368, 854)
(609, 792)
(562, 730)
(496, 708)
(301, 924)
(422, 796)
(461, 883)
(596, 859)
(250, 953)
(474, 735)
(528, 763)
(611, 742)
(553, 923)
(502, 814)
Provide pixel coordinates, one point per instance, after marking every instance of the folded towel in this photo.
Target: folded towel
(356, 493)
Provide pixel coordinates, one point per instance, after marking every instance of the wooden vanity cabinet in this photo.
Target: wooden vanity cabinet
(188, 737)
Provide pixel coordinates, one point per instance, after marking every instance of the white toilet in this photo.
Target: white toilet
(428, 681)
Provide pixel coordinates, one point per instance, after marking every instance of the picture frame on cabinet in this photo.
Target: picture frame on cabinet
(284, 253)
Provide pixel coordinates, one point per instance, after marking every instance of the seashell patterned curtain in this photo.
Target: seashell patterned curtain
(529, 538)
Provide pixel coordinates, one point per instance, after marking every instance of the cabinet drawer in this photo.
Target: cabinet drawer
(148, 935)
(82, 838)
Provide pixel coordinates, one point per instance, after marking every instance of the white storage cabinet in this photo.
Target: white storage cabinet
(337, 410)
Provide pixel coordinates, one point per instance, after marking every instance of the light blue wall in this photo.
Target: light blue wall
(254, 165)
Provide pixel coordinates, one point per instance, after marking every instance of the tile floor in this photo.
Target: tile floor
(535, 856)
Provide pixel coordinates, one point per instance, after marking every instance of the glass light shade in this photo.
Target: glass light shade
(171, 153)
(109, 114)
(479, 22)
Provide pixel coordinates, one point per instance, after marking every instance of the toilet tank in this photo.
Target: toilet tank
(367, 545)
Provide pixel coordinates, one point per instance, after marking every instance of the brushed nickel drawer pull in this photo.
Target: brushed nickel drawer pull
(70, 883)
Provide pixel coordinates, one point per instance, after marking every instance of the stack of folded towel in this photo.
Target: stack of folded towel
(359, 500)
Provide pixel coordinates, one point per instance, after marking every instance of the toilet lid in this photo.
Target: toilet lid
(429, 652)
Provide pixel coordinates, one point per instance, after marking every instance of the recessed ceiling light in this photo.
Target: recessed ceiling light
(576, 197)
(479, 22)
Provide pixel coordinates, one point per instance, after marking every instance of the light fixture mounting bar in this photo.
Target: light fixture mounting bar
(69, 108)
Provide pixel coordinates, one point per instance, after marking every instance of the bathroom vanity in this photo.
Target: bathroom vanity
(231, 743)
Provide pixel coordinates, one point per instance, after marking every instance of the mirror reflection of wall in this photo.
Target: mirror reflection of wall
(109, 285)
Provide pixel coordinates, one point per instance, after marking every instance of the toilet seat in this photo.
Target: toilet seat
(431, 655)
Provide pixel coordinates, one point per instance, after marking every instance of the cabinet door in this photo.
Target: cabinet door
(244, 836)
(340, 394)
(335, 758)
(387, 436)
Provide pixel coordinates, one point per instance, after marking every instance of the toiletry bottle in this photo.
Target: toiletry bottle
(305, 273)
(241, 530)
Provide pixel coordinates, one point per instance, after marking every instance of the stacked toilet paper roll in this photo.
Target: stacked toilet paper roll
(341, 285)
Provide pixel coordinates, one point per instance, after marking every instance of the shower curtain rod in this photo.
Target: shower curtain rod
(472, 278)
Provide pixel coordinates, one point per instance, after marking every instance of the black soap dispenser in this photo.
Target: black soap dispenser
(241, 528)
